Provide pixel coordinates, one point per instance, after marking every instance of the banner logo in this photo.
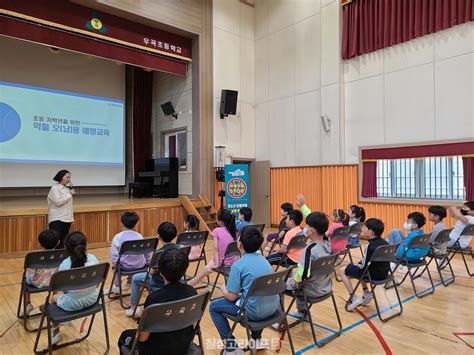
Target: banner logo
(236, 187)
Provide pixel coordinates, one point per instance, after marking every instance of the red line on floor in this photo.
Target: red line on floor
(376, 332)
(465, 342)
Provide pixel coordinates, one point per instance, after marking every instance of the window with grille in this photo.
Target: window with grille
(438, 178)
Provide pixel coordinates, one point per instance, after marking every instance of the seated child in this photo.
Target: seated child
(436, 215)
(245, 219)
(356, 214)
(316, 226)
(293, 221)
(396, 236)
(172, 265)
(128, 262)
(415, 221)
(340, 219)
(76, 246)
(49, 240)
(373, 230)
(284, 209)
(166, 233)
(191, 224)
(463, 218)
(223, 236)
(242, 273)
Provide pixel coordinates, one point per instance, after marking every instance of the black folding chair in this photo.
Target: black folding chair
(420, 241)
(440, 258)
(131, 247)
(322, 268)
(223, 269)
(259, 227)
(195, 238)
(341, 233)
(278, 240)
(267, 285)
(355, 232)
(384, 253)
(170, 317)
(154, 265)
(70, 280)
(46, 259)
(469, 231)
(298, 242)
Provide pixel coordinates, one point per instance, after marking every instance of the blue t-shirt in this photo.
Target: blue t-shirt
(242, 225)
(413, 254)
(242, 273)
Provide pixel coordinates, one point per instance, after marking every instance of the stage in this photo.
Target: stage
(97, 216)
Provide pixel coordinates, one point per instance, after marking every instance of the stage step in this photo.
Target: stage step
(205, 212)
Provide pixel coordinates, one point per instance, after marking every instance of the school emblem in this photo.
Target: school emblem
(236, 187)
(95, 24)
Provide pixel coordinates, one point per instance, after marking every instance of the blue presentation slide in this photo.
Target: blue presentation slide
(41, 125)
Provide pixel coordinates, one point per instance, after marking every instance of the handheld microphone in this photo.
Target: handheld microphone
(71, 186)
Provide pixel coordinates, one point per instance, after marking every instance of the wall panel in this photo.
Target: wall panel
(328, 187)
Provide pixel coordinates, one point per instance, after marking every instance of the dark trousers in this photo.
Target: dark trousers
(274, 259)
(62, 228)
(126, 339)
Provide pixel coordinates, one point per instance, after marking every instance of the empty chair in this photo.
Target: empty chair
(420, 241)
(47, 259)
(69, 280)
(384, 253)
(171, 316)
(321, 267)
(267, 285)
(131, 247)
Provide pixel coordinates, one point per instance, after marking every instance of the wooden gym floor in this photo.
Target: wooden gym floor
(437, 323)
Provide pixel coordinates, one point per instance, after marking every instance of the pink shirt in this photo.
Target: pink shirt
(223, 238)
(333, 227)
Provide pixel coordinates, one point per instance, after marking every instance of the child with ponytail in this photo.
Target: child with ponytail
(191, 224)
(340, 219)
(223, 235)
(356, 214)
(76, 246)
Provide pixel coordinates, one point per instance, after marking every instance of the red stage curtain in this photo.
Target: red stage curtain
(142, 107)
(468, 166)
(369, 25)
(369, 179)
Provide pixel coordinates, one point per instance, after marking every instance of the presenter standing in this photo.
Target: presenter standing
(60, 214)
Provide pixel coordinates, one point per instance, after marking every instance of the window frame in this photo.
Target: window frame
(401, 200)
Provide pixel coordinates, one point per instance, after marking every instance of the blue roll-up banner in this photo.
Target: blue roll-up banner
(237, 193)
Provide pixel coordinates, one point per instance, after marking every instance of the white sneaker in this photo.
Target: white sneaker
(261, 344)
(276, 326)
(367, 298)
(115, 291)
(355, 302)
(237, 351)
(129, 312)
(56, 338)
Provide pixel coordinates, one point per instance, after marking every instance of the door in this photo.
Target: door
(259, 175)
